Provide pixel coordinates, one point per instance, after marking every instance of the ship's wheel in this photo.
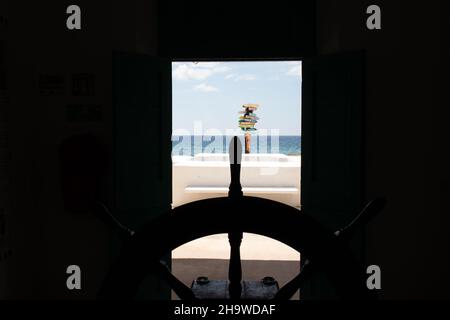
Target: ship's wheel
(321, 250)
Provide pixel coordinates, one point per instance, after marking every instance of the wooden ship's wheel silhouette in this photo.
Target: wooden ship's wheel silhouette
(321, 250)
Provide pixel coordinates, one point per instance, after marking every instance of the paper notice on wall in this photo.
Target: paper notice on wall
(83, 84)
(51, 84)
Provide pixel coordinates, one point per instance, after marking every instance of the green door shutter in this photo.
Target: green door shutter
(332, 148)
(142, 149)
(142, 127)
(332, 138)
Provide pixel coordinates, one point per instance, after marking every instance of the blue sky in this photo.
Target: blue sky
(210, 95)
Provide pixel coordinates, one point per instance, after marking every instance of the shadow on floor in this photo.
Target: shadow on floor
(189, 269)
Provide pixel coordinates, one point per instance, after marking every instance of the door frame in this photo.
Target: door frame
(222, 59)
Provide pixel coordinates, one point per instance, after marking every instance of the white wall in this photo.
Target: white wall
(188, 172)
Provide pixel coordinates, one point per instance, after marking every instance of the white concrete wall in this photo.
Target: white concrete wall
(257, 170)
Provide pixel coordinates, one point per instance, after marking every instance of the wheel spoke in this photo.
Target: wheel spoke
(182, 291)
(290, 288)
(235, 269)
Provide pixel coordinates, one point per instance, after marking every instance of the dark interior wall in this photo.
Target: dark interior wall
(406, 149)
(236, 29)
(44, 237)
(405, 136)
(133, 25)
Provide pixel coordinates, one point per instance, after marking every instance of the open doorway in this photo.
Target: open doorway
(260, 102)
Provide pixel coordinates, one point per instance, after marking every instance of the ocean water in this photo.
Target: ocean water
(191, 145)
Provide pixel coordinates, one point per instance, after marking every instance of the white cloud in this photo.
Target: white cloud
(203, 87)
(184, 72)
(197, 71)
(245, 77)
(295, 71)
(207, 64)
(242, 77)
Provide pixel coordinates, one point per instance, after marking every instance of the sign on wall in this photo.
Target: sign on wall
(51, 84)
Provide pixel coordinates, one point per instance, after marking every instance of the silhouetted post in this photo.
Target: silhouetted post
(235, 237)
(234, 269)
(248, 138)
(235, 155)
